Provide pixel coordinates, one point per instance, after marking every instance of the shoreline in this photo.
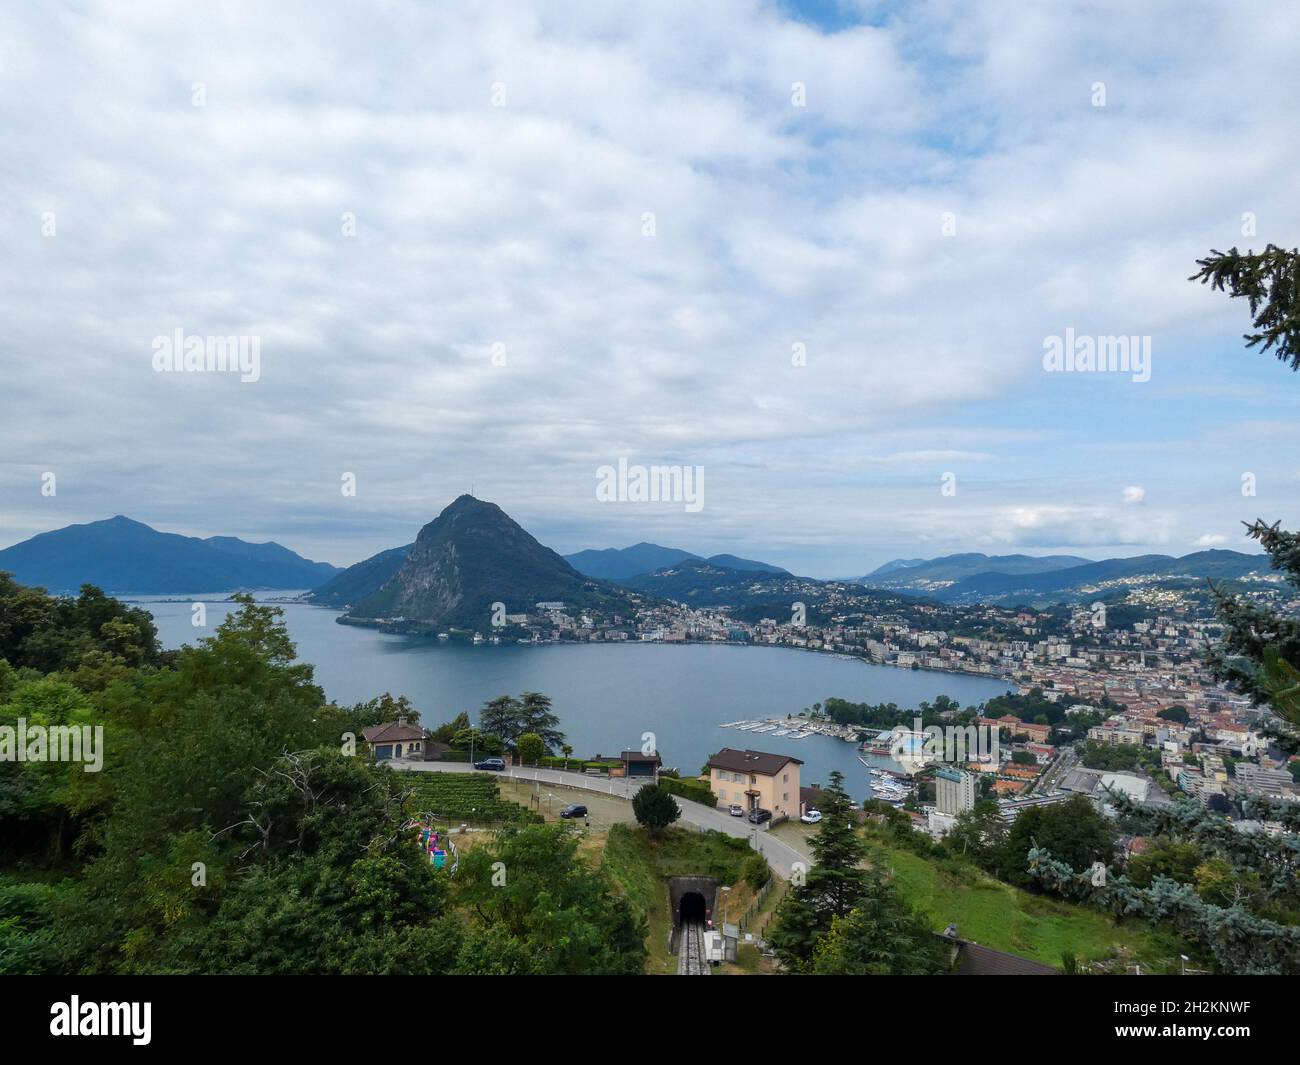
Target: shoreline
(461, 637)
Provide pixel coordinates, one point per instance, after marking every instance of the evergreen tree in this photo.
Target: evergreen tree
(655, 808)
(537, 716)
(1260, 651)
(501, 717)
(881, 936)
(1270, 282)
(831, 889)
(509, 718)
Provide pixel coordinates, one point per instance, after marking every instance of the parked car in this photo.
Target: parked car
(811, 817)
(494, 765)
(574, 810)
(757, 817)
(736, 811)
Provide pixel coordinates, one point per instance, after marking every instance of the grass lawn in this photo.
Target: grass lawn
(997, 915)
(749, 962)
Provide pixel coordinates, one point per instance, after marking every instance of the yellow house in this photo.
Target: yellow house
(756, 780)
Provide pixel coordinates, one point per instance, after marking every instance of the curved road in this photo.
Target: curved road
(779, 854)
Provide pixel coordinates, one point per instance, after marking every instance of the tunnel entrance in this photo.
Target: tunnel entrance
(701, 891)
(692, 908)
(691, 899)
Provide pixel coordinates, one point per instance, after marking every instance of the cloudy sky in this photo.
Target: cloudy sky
(813, 248)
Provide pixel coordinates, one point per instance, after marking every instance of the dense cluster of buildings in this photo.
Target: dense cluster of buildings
(1155, 660)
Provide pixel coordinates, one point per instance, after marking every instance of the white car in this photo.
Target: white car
(736, 811)
(812, 817)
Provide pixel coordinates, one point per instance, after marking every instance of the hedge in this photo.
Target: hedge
(695, 790)
(579, 765)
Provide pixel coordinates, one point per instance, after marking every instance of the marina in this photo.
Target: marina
(799, 729)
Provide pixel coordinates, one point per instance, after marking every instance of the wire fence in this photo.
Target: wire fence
(755, 904)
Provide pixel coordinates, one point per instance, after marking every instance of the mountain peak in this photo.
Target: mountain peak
(470, 556)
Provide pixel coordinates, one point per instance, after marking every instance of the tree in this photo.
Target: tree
(530, 748)
(1270, 282)
(1175, 713)
(229, 832)
(531, 885)
(978, 834)
(755, 871)
(501, 717)
(1074, 831)
(510, 718)
(448, 729)
(1260, 651)
(880, 936)
(655, 808)
(476, 740)
(537, 717)
(1165, 857)
(50, 634)
(831, 888)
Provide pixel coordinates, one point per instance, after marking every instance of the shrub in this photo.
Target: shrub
(654, 808)
(756, 872)
(694, 790)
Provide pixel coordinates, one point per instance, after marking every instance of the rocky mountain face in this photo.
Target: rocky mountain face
(472, 556)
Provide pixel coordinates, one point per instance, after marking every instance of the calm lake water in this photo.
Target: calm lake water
(606, 695)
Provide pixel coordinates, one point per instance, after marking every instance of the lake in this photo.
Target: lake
(606, 695)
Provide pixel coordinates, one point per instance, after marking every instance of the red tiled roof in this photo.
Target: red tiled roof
(392, 732)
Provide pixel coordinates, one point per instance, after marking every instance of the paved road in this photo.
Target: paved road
(1055, 773)
(780, 855)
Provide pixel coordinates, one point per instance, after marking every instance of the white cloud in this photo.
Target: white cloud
(522, 225)
(1134, 494)
(1210, 540)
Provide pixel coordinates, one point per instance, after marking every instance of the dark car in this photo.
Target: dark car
(576, 810)
(492, 764)
(757, 817)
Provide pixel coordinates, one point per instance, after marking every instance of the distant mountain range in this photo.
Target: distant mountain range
(955, 567)
(703, 582)
(468, 558)
(971, 578)
(619, 563)
(473, 555)
(125, 557)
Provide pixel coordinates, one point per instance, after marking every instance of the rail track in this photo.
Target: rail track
(690, 950)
